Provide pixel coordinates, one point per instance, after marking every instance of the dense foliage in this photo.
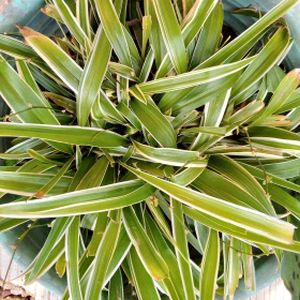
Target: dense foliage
(161, 148)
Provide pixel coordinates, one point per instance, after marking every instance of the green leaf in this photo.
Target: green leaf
(116, 287)
(284, 169)
(122, 70)
(95, 175)
(146, 25)
(27, 184)
(17, 49)
(99, 229)
(209, 37)
(284, 90)
(292, 102)
(290, 267)
(104, 106)
(210, 266)
(60, 266)
(26, 75)
(239, 232)
(170, 156)
(191, 25)
(188, 99)
(93, 75)
(81, 202)
(62, 101)
(26, 101)
(8, 224)
(117, 34)
(246, 113)
(59, 61)
(192, 78)
(52, 258)
(72, 135)
(276, 138)
(82, 12)
(173, 283)
(248, 219)
(147, 66)
(187, 5)
(103, 256)
(72, 249)
(241, 44)
(248, 266)
(155, 123)
(72, 24)
(228, 189)
(238, 175)
(261, 174)
(171, 33)
(213, 115)
(182, 252)
(55, 180)
(196, 18)
(54, 237)
(284, 199)
(150, 257)
(187, 176)
(269, 56)
(143, 283)
(232, 268)
(121, 251)
(29, 106)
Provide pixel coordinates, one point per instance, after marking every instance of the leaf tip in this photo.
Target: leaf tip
(296, 74)
(27, 32)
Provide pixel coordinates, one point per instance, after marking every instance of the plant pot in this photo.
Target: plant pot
(292, 18)
(267, 269)
(26, 13)
(17, 12)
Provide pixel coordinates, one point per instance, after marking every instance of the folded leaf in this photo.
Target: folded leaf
(172, 157)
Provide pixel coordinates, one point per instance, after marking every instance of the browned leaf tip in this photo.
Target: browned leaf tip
(296, 74)
(28, 32)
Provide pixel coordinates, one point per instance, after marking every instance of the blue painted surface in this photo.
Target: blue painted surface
(14, 12)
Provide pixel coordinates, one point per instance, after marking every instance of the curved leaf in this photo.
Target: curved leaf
(81, 202)
(251, 220)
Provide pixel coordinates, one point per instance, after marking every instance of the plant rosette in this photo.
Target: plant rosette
(154, 150)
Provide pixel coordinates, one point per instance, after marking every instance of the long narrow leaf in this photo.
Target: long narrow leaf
(152, 260)
(72, 251)
(72, 135)
(169, 156)
(247, 39)
(210, 266)
(248, 219)
(59, 61)
(192, 78)
(103, 257)
(171, 33)
(155, 122)
(121, 42)
(92, 200)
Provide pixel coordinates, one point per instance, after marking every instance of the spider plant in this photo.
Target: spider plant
(160, 150)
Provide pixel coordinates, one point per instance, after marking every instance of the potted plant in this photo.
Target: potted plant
(150, 148)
